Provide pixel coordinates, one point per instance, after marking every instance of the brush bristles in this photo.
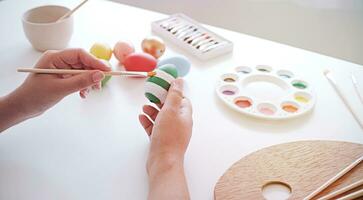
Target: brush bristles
(326, 72)
(152, 73)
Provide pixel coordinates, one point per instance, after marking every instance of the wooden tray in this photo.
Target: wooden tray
(304, 166)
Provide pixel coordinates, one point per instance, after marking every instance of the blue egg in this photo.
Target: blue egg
(181, 63)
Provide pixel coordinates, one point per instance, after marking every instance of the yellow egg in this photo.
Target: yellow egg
(101, 50)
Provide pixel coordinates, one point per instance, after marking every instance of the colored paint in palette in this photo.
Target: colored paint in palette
(243, 102)
(265, 92)
(192, 36)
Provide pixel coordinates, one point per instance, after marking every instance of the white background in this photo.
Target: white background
(96, 149)
(329, 27)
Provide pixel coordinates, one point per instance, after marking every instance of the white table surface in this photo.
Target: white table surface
(96, 149)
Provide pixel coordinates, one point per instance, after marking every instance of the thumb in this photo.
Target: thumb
(82, 80)
(175, 94)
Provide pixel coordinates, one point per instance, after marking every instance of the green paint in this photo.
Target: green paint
(263, 70)
(105, 80)
(285, 76)
(244, 71)
(299, 85)
(152, 98)
(170, 69)
(159, 81)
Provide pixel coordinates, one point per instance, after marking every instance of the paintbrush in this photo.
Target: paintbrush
(342, 190)
(355, 83)
(335, 178)
(332, 81)
(75, 71)
(69, 13)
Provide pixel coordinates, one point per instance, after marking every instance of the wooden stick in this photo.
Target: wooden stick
(342, 96)
(336, 177)
(69, 13)
(76, 71)
(342, 190)
(352, 195)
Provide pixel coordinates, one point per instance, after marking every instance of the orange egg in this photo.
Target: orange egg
(153, 46)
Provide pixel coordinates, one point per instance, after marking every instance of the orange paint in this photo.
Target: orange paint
(290, 108)
(243, 103)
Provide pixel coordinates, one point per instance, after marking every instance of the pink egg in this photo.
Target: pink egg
(122, 49)
(140, 62)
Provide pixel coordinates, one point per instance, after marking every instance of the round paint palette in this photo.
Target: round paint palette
(265, 92)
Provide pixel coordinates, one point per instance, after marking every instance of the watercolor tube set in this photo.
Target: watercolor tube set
(193, 37)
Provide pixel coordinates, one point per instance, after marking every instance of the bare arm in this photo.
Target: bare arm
(41, 91)
(167, 180)
(11, 112)
(170, 131)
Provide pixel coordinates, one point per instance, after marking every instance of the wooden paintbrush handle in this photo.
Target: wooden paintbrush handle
(69, 13)
(342, 190)
(77, 71)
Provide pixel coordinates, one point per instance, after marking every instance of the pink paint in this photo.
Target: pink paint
(267, 111)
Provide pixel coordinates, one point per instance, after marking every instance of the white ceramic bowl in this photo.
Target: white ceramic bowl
(42, 30)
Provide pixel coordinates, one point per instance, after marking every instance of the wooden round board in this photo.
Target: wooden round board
(304, 166)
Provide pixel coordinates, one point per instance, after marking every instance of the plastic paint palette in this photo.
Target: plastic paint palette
(193, 37)
(265, 92)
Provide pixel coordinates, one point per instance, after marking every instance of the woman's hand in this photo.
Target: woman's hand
(41, 91)
(170, 130)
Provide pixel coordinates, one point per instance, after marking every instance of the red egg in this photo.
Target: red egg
(142, 62)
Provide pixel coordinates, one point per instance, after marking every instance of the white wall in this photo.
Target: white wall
(330, 27)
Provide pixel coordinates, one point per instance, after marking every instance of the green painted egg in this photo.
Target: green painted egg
(156, 87)
(107, 77)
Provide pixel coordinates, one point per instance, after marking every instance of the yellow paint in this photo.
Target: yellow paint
(301, 99)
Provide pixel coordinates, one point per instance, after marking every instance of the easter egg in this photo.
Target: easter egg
(156, 87)
(105, 80)
(122, 49)
(153, 46)
(181, 63)
(140, 62)
(107, 77)
(101, 50)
